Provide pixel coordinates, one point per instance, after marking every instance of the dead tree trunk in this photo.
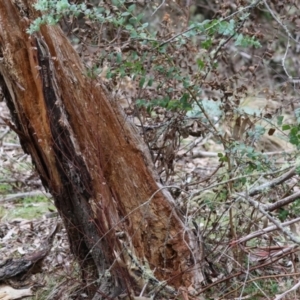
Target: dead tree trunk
(93, 162)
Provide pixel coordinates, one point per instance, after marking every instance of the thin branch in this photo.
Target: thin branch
(284, 58)
(261, 278)
(284, 177)
(295, 287)
(8, 180)
(207, 29)
(11, 145)
(13, 197)
(246, 277)
(160, 5)
(282, 202)
(279, 22)
(264, 231)
(272, 219)
(258, 189)
(242, 272)
(6, 131)
(215, 154)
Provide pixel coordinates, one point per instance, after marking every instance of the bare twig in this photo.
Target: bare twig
(282, 202)
(11, 145)
(284, 58)
(271, 219)
(160, 5)
(260, 278)
(278, 21)
(13, 197)
(255, 190)
(215, 154)
(6, 131)
(295, 287)
(264, 231)
(246, 277)
(256, 267)
(207, 29)
(272, 183)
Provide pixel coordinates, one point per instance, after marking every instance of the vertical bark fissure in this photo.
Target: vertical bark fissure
(72, 197)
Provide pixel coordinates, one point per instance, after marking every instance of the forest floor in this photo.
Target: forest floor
(264, 265)
(27, 219)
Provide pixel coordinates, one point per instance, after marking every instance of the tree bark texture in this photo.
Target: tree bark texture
(92, 161)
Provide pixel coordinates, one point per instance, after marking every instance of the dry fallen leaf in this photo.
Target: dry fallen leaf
(8, 293)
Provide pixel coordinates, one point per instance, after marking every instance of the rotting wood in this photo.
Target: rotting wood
(92, 161)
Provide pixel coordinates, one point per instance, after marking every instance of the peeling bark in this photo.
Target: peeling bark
(92, 161)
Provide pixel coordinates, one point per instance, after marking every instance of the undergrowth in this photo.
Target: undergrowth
(213, 89)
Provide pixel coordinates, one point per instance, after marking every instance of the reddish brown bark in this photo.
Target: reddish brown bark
(91, 159)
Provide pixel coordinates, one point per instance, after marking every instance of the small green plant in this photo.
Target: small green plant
(27, 208)
(5, 188)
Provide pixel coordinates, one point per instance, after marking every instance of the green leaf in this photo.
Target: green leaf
(145, 25)
(141, 102)
(297, 115)
(280, 120)
(286, 127)
(246, 41)
(125, 14)
(142, 82)
(283, 214)
(200, 64)
(206, 44)
(211, 27)
(184, 102)
(150, 82)
(133, 34)
(222, 158)
(131, 8)
(186, 82)
(172, 104)
(133, 20)
(227, 28)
